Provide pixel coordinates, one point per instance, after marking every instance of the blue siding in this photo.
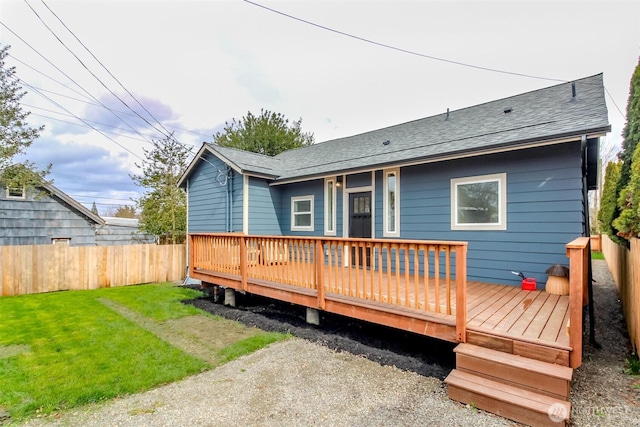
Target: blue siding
(544, 210)
(209, 206)
(264, 208)
(359, 180)
(315, 188)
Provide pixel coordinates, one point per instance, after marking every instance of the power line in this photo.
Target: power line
(86, 68)
(422, 55)
(87, 120)
(82, 120)
(114, 77)
(67, 76)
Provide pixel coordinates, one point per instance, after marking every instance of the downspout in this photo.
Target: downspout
(587, 233)
(186, 278)
(230, 193)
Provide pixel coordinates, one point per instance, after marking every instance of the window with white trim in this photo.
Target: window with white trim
(61, 241)
(15, 192)
(330, 207)
(391, 203)
(479, 202)
(302, 213)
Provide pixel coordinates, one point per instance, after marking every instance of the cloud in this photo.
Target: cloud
(86, 170)
(117, 117)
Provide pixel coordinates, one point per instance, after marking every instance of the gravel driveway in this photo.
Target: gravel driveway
(300, 383)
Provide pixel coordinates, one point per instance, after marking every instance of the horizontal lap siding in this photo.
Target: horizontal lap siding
(264, 207)
(208, 205)
(306, 188)
(544, 210)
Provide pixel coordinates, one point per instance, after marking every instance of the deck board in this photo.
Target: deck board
(492, 309)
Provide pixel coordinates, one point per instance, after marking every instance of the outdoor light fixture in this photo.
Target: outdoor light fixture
(339, 181)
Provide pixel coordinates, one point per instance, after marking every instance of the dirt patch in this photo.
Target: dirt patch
(201, 336)
(387, 346)
(13, 350)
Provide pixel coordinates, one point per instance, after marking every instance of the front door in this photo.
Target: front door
(360, 224)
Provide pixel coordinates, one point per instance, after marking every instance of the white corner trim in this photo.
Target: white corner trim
(245, 204)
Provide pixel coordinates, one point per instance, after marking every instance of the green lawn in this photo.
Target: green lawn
(597, 255)
(61, 350)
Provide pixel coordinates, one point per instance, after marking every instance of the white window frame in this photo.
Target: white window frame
(330, 216)
(61, 241)
(386, 231)
(501, 179)
(293, 213)
(8, 194)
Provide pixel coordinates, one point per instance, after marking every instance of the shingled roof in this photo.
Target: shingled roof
(542, 116)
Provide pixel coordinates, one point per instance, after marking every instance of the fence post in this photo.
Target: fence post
(461, 292)
(578, 275)
(319, 266)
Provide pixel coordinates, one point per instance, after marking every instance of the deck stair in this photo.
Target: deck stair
(519, 388)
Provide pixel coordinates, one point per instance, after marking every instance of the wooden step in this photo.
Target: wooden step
(508, 401)
(529, 374)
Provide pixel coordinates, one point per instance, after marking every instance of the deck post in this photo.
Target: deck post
(230, 297)
(319, 276)
(243, 262)
(313, 316)
(578, 275)
(461, 292)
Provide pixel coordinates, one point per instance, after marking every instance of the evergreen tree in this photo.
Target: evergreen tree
(125, 212)
(15, 133)
(269, 134)
(628, 223)
(94, 208)
(631, 131)
(163, 205)
(609, 202)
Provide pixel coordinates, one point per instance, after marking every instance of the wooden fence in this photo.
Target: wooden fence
(624, 265)
(48, 268)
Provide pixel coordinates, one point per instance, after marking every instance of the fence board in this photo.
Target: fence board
(48, 268)
(624, 265)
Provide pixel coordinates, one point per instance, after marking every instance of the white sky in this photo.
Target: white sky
(196, 64)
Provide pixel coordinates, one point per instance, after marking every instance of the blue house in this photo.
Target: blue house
(510, 177)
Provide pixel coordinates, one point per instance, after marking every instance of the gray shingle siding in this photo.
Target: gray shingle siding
(37, 221)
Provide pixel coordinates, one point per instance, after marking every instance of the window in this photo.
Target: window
(391, 200)
(61, 241)
(330, 207)
(302, 213)
(15, 193)
(479, 203)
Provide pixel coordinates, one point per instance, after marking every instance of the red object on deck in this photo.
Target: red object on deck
(529, 284)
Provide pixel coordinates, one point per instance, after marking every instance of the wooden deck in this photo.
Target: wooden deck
(517, 346)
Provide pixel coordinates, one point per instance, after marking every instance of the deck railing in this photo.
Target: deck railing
(429, 276)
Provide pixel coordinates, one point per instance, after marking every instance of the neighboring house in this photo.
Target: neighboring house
(47, 216)
(510, 177)
(121, 231)
(44, 216)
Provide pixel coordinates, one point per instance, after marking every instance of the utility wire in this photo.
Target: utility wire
(88, 120)
(88, 70)
(67, 76)
(81, 119)
(422, 55)
(111, 74)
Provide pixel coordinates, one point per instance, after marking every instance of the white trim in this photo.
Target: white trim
(245, 204)
(386, 232)
(373, 204)
(311, 212)
(333, 214)
(8, 195)
(501, 179)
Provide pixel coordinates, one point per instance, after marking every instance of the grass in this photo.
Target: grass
(597, 255)
(62, 350)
